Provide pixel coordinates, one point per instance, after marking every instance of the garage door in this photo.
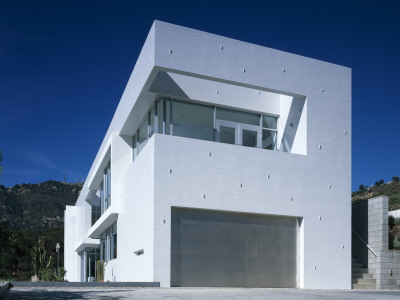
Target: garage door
(210, 248)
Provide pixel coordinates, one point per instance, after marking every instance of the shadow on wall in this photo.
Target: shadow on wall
(292, 124)
(164, 84)
(360, 225)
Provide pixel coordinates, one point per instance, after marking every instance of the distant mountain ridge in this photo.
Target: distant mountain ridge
(37, 206)
(390, 189)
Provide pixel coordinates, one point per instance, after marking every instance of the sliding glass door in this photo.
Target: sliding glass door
(238, 134)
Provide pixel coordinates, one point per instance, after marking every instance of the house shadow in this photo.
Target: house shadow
(44, 294)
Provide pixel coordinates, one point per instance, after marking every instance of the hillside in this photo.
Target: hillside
(28, 212)
(390, 189)
(39, 205)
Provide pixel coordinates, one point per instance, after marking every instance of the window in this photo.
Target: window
(269, 132)
(152, 116)
(246, 129)
(238, 116)
(143, 134)
(193, 120)
(108, 243)
(205, 122)
(96, 212)
(105, 190)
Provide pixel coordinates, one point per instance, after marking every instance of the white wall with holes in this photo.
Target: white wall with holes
(309, 177)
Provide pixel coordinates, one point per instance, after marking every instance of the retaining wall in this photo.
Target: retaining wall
(370, 220)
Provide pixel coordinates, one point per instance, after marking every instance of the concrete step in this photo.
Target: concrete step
(363, 275)
(364, 286)
(360, 270)
(357, 265)
(364, 280)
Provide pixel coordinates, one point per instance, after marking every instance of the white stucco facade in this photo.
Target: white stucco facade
(307, 177)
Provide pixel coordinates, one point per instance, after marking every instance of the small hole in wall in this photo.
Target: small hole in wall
(222, 47)
(209, 153)
(170, 51)
(241, 185)
(170, 170)
(164, 221)
(204, 196)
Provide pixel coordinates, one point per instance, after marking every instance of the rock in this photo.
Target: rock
(5, 287)
(35, 278)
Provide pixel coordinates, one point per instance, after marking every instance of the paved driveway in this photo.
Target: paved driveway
(198, 293)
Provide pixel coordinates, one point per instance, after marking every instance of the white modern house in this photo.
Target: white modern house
(225, 164)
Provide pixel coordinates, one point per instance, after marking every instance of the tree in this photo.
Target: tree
(361, 188)
(10, 249)
(377, 183)
(395, 178)
(381, 181)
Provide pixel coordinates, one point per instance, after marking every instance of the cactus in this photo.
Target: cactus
(100, 270)
(40, 256)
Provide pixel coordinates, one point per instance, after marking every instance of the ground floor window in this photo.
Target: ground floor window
(108, 243)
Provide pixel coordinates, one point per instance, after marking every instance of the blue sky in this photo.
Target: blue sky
(64, 66)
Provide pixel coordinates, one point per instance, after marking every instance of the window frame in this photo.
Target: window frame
(165, 100)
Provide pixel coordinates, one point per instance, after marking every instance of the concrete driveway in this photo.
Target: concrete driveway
(197, 293)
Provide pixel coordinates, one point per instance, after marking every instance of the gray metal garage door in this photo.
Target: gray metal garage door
(210, 248)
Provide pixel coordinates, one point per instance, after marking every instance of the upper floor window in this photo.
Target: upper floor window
(96, 212)
(105, 190)
(204, 122)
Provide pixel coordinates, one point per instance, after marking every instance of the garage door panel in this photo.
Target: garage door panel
(212, 248)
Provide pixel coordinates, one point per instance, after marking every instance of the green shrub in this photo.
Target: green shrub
(396, 243)
(51, 275)
(397, 221)
(47, 275)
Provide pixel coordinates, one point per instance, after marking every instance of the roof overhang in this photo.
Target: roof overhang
(87, 243)
(105, 221)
